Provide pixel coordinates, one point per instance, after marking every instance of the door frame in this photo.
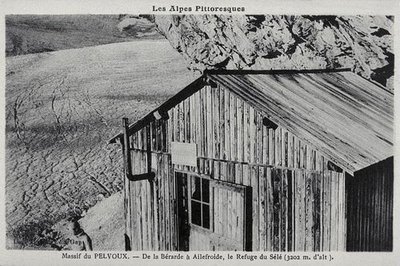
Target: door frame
(247, 210)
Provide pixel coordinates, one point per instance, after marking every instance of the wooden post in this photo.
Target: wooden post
(127, 194)
(151, 184)
(126, 148)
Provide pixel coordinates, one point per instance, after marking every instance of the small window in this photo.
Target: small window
(200, 201)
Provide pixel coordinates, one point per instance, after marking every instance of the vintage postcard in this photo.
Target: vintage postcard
(210, 133)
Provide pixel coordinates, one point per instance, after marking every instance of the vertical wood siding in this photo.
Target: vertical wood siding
(226, 128)
(152, 229)
(297, 203)
(370, 208)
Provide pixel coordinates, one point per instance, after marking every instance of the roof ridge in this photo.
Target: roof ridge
(271, 71)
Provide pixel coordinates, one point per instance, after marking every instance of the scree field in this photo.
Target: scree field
(61, 109)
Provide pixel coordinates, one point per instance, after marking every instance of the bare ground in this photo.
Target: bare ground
(61, 108)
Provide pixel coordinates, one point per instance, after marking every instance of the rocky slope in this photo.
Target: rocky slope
(26, 34)
(61, 109)
(363, 43)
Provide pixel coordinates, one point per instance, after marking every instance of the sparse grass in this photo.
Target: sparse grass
(39, 234)
(29, 235)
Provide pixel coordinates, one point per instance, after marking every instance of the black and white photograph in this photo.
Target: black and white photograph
(221, 131)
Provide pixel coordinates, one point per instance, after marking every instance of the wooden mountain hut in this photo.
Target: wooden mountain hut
(263, 161)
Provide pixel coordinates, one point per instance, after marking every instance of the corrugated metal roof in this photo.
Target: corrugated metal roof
(347, 118)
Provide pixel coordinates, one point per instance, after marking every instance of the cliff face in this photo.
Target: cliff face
(363, 43)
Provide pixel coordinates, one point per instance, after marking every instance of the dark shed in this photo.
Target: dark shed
(263, 160)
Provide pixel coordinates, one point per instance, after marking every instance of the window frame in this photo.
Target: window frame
(201, 202)
(213, 183)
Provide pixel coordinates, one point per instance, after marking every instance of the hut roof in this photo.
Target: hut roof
(344, 116)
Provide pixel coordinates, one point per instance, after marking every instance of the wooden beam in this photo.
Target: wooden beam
(150, 177)
(269, 124)
(126, 149)
(272, 71)
(209, 82)
(127, 193)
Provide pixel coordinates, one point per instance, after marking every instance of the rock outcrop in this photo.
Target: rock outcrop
(362, 43)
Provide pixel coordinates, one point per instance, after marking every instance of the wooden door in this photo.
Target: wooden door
(212, 215)
(232, 219)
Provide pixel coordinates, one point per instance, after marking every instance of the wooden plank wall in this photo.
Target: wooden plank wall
(234, 146)
(370, 208)
(228, 129)
(227, 219)
(152, 229)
